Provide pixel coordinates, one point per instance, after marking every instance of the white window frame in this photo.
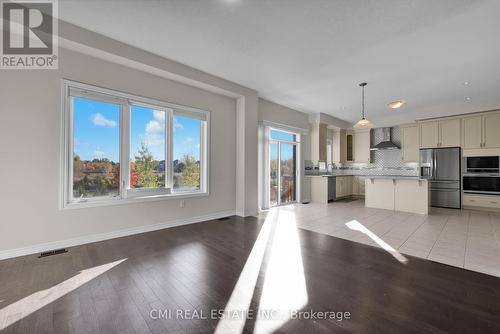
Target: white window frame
(126, 194)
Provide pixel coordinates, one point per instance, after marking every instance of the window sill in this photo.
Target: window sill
(125, 201)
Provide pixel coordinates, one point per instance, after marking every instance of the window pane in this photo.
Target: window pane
(273, 177)
(96, 148)
(147, 147)
(186, 153)
(280, 135)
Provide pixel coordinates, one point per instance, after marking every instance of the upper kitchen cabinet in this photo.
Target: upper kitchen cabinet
(322, 142)
(481, 131)
(473, 132)
(339, 146)
(362, 146)
(449, 133)
(318, 141)
(429, 134)
(349, 147)
(442, 133)
(491, 135)
(409, 142)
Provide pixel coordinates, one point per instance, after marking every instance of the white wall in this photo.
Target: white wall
(30, 128)
(275, 113)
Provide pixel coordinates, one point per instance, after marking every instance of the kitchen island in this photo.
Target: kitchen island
(398, 193)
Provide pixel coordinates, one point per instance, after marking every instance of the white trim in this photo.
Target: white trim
(132, 200)
(284, 127)
(15, 252)
(126, 101)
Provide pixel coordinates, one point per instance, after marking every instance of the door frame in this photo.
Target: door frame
(264, 166)
(280, 142)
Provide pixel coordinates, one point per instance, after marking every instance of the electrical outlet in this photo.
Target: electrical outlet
(182, 204)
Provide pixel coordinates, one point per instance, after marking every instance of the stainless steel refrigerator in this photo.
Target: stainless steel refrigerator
(441, 166)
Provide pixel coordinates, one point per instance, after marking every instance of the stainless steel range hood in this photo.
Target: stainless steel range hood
(386, 143)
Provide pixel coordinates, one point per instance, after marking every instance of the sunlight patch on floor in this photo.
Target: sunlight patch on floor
(357, 226)
(243, 291)
(284, 289)
(34, 302)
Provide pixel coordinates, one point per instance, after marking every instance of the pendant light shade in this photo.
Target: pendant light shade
(363, 122)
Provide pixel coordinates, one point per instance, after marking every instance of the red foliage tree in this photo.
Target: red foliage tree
(134, 176)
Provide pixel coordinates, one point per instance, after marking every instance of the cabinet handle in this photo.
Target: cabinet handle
(472, 200)
(493, 202)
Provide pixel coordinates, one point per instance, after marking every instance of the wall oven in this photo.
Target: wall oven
(481, 183)
(481, 175)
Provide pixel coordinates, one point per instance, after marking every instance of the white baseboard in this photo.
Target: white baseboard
(10, 253)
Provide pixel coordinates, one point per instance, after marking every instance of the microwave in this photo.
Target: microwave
(482, 164)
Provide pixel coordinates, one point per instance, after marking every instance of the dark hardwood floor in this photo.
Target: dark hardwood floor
(113, 286)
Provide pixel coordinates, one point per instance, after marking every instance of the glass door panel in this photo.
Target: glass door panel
(273, 171)
(288, 156)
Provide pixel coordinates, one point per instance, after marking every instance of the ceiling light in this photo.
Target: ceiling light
(396, 104)
(466, 83)
(363, 122)
(467, 98)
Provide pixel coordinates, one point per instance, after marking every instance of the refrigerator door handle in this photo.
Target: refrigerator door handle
(433, 169)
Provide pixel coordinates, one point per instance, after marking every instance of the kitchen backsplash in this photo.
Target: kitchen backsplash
(385, 162)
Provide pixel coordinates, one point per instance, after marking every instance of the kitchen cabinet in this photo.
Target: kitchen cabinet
(449, 133)
(472, 132)
(349, 147)
(358, 185)
(344, 186)
(362, 146)
(322, 189)
(322, 142)
(481, 201)
(410, 143)
(341, 186)
(442, 133)
(318, 141)
(407, 193)
(339, 146)
(481, 131)
(491, 133)
(379, 193)
(429, 134)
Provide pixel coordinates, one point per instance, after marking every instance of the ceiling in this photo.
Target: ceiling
(311, 55)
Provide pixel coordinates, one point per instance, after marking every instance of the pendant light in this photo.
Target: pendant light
(363, 122)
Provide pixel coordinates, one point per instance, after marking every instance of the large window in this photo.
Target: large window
(121, 147)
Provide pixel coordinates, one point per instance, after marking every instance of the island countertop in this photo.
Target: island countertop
(390, 177)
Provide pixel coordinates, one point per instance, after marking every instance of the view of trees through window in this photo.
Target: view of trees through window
(96, 142)
(147, 147)
(96, 138)
(186, 154)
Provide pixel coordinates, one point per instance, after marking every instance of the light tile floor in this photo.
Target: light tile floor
(461, 238)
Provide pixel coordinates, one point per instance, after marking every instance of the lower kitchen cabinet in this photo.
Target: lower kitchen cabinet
(322, 189)
(481, 201)
(398, 194)
(406, 193)
(358, 185)
(379, 193)
(344, 186)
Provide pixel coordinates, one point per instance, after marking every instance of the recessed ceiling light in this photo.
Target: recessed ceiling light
(467, 98)
(396, 104)
(466, 83)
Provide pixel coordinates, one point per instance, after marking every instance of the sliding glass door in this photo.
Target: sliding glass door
(282, 168)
